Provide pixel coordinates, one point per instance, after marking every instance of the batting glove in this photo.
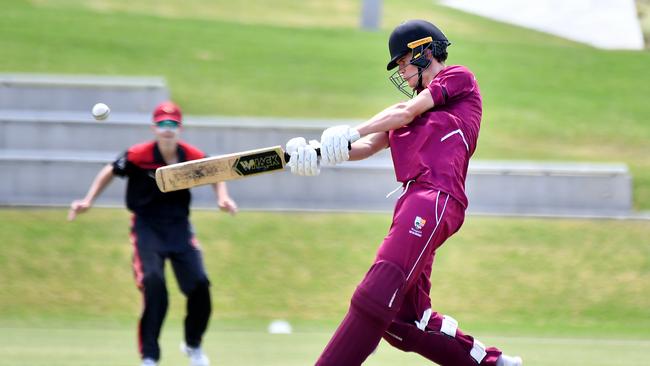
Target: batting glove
(304, 160)
(334, 144)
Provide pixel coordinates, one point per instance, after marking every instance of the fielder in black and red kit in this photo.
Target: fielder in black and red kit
(161, 230)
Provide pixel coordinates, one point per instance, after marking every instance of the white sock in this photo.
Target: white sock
(505, 360)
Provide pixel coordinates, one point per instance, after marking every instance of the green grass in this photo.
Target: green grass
(115, 346)
(520, 276)
(558, 292)
(545, 98)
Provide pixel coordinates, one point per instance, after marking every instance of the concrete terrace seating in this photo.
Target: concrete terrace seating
(550, 188)
(50, 156)
(59, 130)
(80, 92)
(56, 177)
(55, 171)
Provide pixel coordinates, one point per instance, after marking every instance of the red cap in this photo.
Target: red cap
(167, 111)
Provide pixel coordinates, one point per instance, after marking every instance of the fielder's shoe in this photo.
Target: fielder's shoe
(196, 355)
(505, 360)
(148, 362)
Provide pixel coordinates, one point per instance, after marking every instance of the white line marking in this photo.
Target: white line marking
(431, 236)
(390, 304)
(436, 210)
(394, 336)
(458, 131)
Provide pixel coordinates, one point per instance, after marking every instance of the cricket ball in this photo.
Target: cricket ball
(101, 111)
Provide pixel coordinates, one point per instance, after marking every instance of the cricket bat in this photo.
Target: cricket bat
(221, 168)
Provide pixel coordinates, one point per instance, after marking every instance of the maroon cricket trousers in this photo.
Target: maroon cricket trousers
(392, 301)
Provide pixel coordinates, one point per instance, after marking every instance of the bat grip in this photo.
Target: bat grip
(287, 156)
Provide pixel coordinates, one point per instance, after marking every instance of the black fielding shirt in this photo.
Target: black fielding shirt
(143, 197)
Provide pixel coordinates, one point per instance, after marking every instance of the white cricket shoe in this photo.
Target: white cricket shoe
(505, 360)
(196, 355)
(148, 362)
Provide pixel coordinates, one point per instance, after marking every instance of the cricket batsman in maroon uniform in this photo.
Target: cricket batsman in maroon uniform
(161, 230)
(431, 137)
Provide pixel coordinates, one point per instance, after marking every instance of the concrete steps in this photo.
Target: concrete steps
(80, 92)
(78, 131)
(549, 188)
(55, 177)
(51, 149)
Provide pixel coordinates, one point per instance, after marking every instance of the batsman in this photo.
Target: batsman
(431, 138)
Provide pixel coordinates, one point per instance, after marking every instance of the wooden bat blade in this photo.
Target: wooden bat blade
(220, 168)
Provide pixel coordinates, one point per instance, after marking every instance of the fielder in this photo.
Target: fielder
(160, 230)
(431, 137)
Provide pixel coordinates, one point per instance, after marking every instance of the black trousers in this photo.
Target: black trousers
(155, 240)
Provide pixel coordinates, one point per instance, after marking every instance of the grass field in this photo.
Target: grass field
(579, 288)
(545, 98)
(576, 272)
(114, 346)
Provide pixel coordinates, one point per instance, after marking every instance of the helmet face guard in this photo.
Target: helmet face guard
(418, 59)
(401, 84)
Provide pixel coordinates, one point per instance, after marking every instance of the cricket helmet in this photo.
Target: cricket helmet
(167, 111)
(415, 36)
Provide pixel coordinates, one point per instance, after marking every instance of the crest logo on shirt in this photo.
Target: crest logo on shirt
(418, 224)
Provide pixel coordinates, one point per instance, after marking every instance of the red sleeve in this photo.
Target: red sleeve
(141, 154)
(452, 83)
(191, 152)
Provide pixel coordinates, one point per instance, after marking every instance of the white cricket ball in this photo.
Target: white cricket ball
(101, 111)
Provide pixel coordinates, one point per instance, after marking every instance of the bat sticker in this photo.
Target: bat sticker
(258, 163)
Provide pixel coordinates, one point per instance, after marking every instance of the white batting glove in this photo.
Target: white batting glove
(304, 160)
(334, 144)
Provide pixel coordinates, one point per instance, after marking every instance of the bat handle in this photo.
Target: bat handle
(287, 156)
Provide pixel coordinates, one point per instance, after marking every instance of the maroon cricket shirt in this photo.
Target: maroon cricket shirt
(435, 148)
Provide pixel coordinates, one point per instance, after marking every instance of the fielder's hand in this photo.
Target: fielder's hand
(304, 160)
(334, 144)
(77, 207)
(227, 205)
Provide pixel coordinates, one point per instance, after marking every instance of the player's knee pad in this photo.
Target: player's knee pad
(406, 336)
(449, 328)
(380, 293)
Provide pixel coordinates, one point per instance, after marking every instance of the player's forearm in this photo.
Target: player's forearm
(398, 115)
(368, 146)
(101, 181)
(389, 119)
(221, 190)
